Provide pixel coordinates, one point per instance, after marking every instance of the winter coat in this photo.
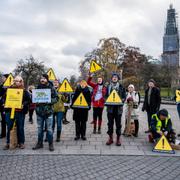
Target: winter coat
(155, 100)
(46, 109)
(95, 86)
(121, 92)
(81, 113)
(135, 110)
(59, 106)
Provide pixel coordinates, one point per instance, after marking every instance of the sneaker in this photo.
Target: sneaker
(6, 147)
(38, 146)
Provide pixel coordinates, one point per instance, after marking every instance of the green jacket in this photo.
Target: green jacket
(59, 106)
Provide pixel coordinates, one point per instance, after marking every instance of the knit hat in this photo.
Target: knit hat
(115, 74)
(163, 112)
(45, 76)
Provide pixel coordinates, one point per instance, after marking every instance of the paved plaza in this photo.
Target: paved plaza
(95, 143)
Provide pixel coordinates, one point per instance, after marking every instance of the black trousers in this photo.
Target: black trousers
(111, 118)
(3, 123)
(80, 128)
(31, 111)
(149, 116)
(97, 115)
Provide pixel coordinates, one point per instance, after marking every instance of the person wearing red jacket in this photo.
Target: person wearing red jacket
(99, 91)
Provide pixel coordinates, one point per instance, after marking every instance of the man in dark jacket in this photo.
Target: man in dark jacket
(161, 124)
(114, 112)
(2, 93)
(152, 101)
(45, 114)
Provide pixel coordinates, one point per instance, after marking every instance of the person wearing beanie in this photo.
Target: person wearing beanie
(132, 104)
(2, 93)
(161, 124)
(98, 99)
(152, 101)
(114, 112)
(44, 112)
(80, 114)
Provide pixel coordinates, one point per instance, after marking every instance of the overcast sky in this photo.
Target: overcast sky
(60, 32)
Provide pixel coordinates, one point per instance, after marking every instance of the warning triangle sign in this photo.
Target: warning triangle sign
(113, 99)
(9, 81)
(80, 102)
(163, 146)
(177, 96)
(51, 74)
(94, 67)
(65, 87)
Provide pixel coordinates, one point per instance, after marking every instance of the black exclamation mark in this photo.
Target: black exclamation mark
(65, 84)
(94, 66)
(113, 97)
(80, 100)
(163, 143)
(9, 80)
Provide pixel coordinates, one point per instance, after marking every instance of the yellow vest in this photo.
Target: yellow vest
(159, 122)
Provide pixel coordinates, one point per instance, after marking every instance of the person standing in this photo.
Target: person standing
(58, 111)
(2, 93)
(177, 99)
(19, 115)
(133, 96)
(44, 114)
(114, 112)
(152, 101)
(98, 99)
(80, 114)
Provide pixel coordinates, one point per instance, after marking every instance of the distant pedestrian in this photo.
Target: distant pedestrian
(152, 101)
(177, 99)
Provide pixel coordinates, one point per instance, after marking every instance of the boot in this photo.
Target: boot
(6, 147)
(58, 136)
(38, 145)
(51, 147)
(99, 126)
(110, 140)
(94, 130)
(118, 141)
(136, 123)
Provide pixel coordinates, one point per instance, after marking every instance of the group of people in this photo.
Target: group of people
(159, 121)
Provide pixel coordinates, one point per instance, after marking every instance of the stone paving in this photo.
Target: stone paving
(83, 167)
(95, 144)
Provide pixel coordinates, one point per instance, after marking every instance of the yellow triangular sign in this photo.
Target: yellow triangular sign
(177, 95)
(114, 99)
(51, 74)
(163, 146)
(94, 67)
(9, 81)
(65, 87)
(80, 102)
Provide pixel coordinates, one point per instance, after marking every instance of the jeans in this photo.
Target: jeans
(40, 125)
(59, 117)
(178, 109)
(3, 122)
(20, 118)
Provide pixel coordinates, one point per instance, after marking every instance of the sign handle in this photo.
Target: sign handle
(12, 113)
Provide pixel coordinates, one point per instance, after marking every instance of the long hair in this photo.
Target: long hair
(20, 80)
